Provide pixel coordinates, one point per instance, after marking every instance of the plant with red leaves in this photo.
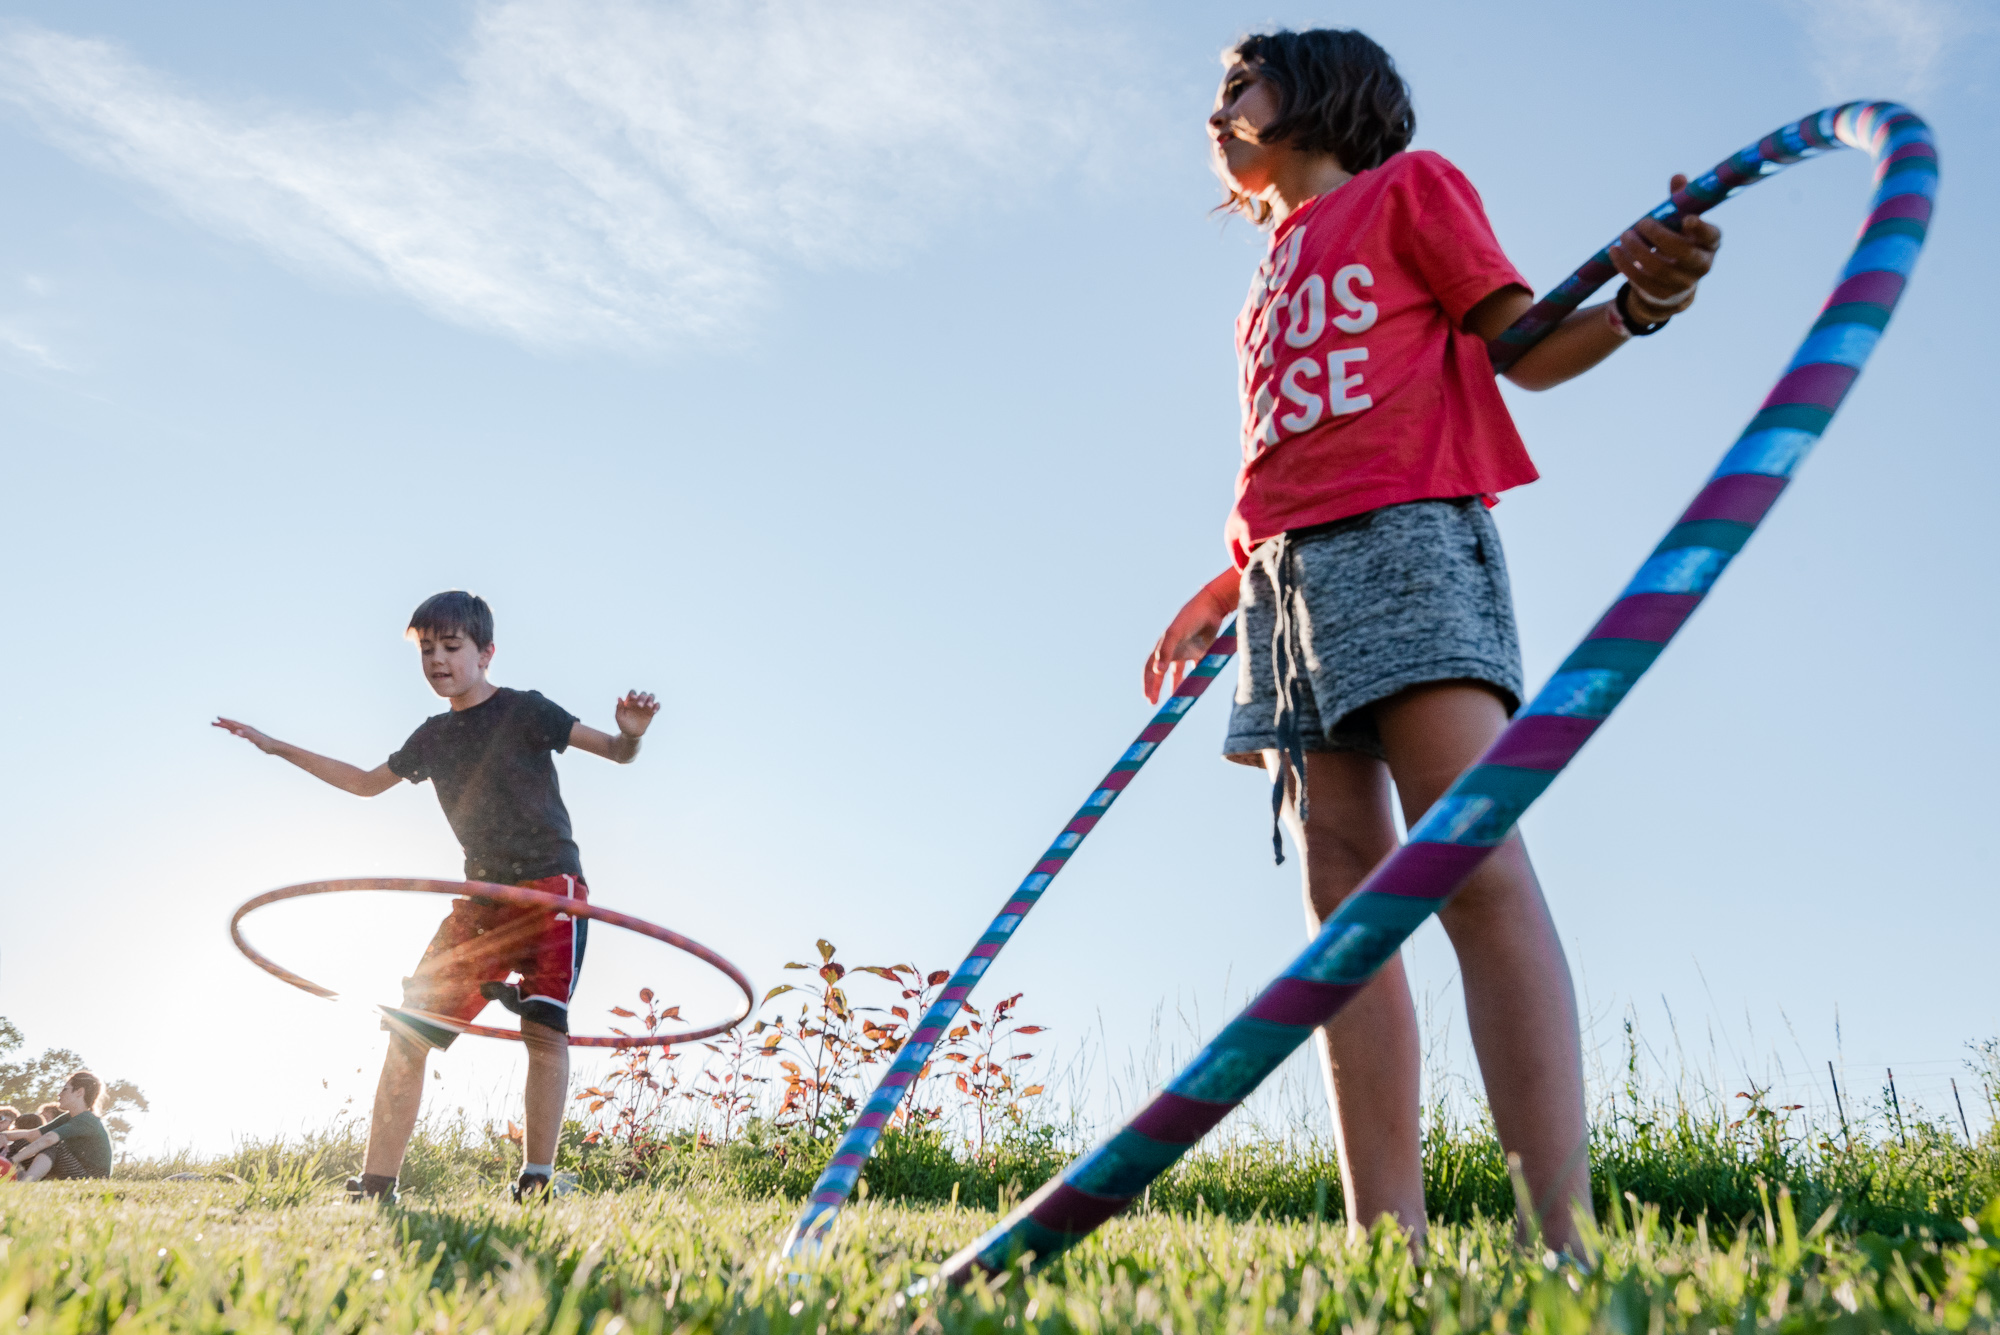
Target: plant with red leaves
(985, 1077)
(918, 1110)
(820, 1055)
(822, 1051)
(730, 1091)
(642, 1085)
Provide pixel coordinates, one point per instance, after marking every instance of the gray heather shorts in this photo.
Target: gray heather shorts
(1381, 602)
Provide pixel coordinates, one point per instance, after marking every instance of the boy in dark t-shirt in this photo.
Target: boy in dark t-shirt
(74, 1145)
(491, 759)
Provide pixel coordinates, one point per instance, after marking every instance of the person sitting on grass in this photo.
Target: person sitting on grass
(74, 1144)
(48, 1112)
(8, 1112)
(22, 1122)
(491, 756)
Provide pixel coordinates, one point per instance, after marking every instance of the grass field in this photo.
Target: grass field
(282, 1253)
(1717, 1213)
(1753, 1222)
(1690, 1161)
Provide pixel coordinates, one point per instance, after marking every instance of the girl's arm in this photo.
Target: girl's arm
(1189, 634)
(1662, 265)
(348, 778)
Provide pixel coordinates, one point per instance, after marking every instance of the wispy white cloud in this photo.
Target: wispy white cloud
(613, 172)
(17, 341)
(1886, 48)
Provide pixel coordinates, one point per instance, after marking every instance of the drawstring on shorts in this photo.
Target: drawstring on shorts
(1279, 560)
(1288, 666)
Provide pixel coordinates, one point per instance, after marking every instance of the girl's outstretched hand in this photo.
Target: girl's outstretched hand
(1189, 634)
(1662, 265)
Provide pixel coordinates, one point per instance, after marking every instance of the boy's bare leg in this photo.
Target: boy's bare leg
(1520, 1004)
(548, 1090)
(1369, 1053)
(37, 1170)
(398, 1096)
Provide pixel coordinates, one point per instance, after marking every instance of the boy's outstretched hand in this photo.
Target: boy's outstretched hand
(634, 713)
(348, 778)
(1662, 265)
(268, 745)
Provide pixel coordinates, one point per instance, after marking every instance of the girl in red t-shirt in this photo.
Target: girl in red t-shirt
(1376, 624)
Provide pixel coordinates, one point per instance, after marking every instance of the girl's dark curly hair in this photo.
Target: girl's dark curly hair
(1338, 93)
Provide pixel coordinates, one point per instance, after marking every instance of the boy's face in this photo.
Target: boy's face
(71, 1100)
(1244, 105)
(453, 664)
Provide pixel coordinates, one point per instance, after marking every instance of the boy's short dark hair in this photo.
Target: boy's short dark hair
(454, 612)
(26, 1122)
(88, 1085)
(1338, 93)
(48, 1111)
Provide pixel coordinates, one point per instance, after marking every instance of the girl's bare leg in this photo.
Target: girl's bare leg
(1369, 1053)
(1519, 1001)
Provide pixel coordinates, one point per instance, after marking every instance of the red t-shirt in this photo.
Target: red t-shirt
(1359, 387)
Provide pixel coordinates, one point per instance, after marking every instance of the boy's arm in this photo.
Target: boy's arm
(348, 778)
(1662, 265)
(634, 715)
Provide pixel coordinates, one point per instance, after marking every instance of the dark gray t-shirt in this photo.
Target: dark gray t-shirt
(495, 773)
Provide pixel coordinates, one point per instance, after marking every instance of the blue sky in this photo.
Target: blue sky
(863, 385)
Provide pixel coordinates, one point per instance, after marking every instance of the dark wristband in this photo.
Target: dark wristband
(1632, 326)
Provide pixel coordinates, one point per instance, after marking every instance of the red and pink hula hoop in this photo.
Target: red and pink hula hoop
(505, 894)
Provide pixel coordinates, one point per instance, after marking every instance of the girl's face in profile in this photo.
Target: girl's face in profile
(1244, 105)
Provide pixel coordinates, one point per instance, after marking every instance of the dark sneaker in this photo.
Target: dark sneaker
(531, 1187)
(416, 1029)
(372, 1187)
(507, 994)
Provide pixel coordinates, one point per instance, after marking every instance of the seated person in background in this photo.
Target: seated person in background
(22, 1122)
(8, 1112)
(48, 1112)
(73, 1145)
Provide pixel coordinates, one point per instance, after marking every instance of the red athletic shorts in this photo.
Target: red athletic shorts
(534, 955)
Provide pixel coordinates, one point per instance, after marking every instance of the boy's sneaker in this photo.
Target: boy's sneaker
(372, 1187)
(507, 994)
(539, 1186)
